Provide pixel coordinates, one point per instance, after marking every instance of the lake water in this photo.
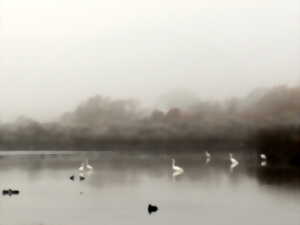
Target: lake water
(122, 185)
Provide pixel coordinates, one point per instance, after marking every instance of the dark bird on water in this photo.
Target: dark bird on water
(152, 209)
(72, 177)
(81, 178)
(10, 192)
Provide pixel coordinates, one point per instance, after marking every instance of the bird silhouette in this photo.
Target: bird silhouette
(10, 192)
(81, 178)
(152, 209)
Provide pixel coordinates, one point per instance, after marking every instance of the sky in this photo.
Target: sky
(55, 54)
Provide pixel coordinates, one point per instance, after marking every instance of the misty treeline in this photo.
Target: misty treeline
(102, 121)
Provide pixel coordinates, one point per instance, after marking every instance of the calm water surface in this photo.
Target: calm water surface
(121, 186)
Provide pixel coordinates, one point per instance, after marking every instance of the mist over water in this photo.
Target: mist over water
(121, 187)
(191, 106)
(184, 121)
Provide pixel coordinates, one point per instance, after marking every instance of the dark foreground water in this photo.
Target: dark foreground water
(121, 186)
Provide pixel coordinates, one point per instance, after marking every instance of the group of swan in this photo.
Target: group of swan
(84, 167)
(177, 170)
(234, 163)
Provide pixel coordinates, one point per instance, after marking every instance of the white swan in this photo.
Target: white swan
(88, 166)
(176, 168)
(233, 160)
(207, 154)
(263, 156)
(81, 168)
(208, 157)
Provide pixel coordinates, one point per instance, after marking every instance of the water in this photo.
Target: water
(122, 185)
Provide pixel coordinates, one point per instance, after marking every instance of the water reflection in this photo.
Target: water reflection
(120, 187)
(232, 166)
(263, 163)
(207, 160)
(176, 174)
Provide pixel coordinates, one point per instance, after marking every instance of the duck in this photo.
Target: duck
(152, 208)
(72, 177)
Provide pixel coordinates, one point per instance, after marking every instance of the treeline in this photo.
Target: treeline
(257, 120)
(281, 144)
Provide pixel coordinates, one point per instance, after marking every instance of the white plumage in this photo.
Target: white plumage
(176, 168)
(81, 168)
(233, 160)
(207, 154)
(208, 157)
(263, 156)
(88, 166)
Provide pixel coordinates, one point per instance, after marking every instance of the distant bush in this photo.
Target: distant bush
(268, 119)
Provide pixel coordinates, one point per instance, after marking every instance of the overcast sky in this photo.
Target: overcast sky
(56, 53)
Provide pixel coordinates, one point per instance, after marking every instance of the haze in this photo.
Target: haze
(55, 54)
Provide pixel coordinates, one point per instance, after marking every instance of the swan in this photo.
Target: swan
(207, 154)
(176, 168)
(81, 168)
(208, 157)
(233, 160)
(88, 166)
(263, 156)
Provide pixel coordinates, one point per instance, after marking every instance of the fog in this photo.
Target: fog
(189, 121)
(56, 54)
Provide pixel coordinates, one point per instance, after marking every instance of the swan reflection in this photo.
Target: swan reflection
(263, 163)
(232, 166)
(176, 174)
(207, 160)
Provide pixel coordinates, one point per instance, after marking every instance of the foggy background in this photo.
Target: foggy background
(55, 54)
